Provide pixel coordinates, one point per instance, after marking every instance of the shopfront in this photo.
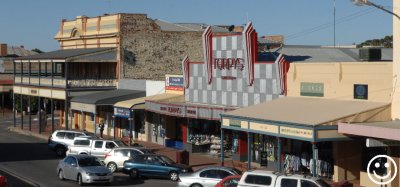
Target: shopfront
(286, 134)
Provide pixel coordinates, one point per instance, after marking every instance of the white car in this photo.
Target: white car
(115, 159)
(60, 140)
(261, 178)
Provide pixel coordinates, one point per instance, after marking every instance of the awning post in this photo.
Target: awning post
(113, 123)
(279, 154)
(315, 158)
(249, 138)
(130, 127)
(222, 147)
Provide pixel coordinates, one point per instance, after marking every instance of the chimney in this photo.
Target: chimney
(3, 50)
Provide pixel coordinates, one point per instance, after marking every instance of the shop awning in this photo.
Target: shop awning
(89, 102)
(310, 119)
(177, 106)
(389, 130)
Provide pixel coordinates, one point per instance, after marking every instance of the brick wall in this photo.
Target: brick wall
(149, 53)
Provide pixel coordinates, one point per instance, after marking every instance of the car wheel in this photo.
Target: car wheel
(60, 151)
(196, 185)
(80, 181)
(60, 175)
(112, 167)
(134, 174)
(173, 175)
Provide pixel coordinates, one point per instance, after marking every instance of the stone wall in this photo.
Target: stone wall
(149, 53)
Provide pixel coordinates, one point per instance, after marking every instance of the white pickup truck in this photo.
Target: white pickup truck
(261, 178)
(94, 147)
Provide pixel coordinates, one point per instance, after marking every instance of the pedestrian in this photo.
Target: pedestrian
(101, 127)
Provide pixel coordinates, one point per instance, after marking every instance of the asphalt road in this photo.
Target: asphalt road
(28, 161)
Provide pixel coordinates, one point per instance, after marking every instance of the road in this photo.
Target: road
(28, 159)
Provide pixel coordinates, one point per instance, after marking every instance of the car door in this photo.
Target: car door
(120, 156)
(97, 148)
(68, 169)
(154, 166)
(108, 146)
(69, 138)
(209, 177)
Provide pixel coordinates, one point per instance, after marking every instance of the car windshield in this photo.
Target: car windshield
(147, 151)
(120, 143)
(237, 171)
(322, 183)
(88, 161)
(166, 160)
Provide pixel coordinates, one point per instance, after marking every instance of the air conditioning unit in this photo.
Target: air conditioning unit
(370, 54)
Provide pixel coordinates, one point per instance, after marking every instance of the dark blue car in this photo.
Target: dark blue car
(151, 165)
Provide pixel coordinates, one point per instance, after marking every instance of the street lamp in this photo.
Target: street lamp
(369, 3)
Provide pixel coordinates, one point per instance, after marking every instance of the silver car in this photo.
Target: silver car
(206, 177)
(115, 159)
(84, 169)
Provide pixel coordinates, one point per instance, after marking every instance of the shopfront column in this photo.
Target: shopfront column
(83, 120)
(249, 140)
(278, 157)
(315, 158)
(52, 114)
(130, 127)
(222, 147)
(113, 124)
(22, 111)
(39, 114)
(29, 112)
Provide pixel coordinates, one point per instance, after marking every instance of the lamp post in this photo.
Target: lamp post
(369, 3)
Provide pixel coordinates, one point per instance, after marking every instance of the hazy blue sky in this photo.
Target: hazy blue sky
(33, 23)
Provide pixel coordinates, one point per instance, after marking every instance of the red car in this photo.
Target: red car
(230, 181)
(3, 181)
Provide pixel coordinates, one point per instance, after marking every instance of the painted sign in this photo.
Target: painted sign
(370, 142)
(361, 91)
(83, 107)
(174, 82)
(264, 127)
(303, 133)
(121, 112)
(235, 123)
(312, 89)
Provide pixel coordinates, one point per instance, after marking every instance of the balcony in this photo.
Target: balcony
(60, 82)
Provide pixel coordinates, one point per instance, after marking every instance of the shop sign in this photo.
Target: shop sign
(312, 89)
(229, 63)
(235, 123)
(361, 91)
(171, 110)
(122, 112)
(370, 142)
(174, 82)
(264, 127)
(303, 133)
(191, 112)
(83, 107)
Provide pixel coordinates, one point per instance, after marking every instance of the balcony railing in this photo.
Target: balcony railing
(60, 82)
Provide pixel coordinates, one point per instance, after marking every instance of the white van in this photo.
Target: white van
(261, 178)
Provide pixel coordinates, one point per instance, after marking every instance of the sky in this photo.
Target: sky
(34, 23)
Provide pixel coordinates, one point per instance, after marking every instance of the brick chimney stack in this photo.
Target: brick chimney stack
(3, 50)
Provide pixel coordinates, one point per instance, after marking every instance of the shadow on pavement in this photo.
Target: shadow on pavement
(25, 151)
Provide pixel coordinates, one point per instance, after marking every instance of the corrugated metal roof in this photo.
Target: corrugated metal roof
(65, 53)
(108, 97)
(324, 54)
(106, 56)
(182, 27)
(19, 51)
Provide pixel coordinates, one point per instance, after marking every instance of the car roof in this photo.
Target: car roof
(261, 172)
(137, 148)
(82, 156)
(218, 167)
(69, 131)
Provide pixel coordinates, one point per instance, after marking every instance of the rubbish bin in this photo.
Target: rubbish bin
(182, 157)
(343, 184)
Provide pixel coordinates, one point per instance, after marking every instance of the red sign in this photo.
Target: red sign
(173, 110)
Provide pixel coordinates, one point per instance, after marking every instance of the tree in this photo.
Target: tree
(386, 41)
(37, 50)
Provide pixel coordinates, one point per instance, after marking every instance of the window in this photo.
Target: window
(69, 136)
(60, 135)
(223, 174)
(140, 159)
(82, 142)
(258, 179)
(110, 145)
(79, 134)
(134, 152)
(98, 144)
(209, 174)
(305, 183)
(289, 183)
(231, 182)
(70, 160)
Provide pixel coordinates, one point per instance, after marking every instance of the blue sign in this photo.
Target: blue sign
(175, 81)
(122, 112)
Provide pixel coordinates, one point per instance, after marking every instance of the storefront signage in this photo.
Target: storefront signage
(370, 142)
(83, 107)
(229, 63)
(174, 82)
(312, 89)
(122, 112)
(191, 112)
(235, 123)
(303, 133)
(361, 91)
(171, 110)
(264, 127)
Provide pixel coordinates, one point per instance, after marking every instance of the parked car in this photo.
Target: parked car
(229, 181)
(206, 177)
(115, 159)
(84, 169)
(3, 181)
(152, 165)
(60, 140)
(94, 147)
(260, 178)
